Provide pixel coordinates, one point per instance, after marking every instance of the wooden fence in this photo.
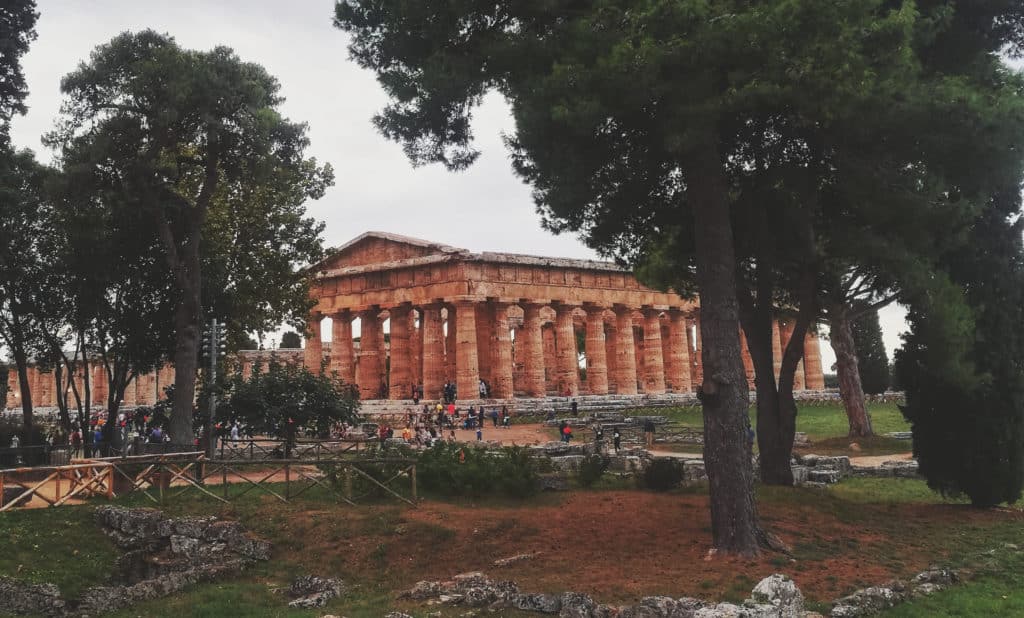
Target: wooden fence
(162, 478)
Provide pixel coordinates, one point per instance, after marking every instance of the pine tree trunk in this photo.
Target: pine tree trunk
(21, 362)
(848, 372)
(186, 350)
(734, 519)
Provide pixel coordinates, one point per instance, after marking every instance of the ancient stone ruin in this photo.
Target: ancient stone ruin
(162, 555)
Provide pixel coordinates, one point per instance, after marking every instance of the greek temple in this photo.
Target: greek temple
(521, 325)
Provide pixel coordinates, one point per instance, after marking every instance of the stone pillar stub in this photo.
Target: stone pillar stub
(342, 356)
(501, 352)
(370, 370)
(776, 349)
(596, 351)
(467, 368)
(814, 376)
(313, 354)
(654, 362)
(566, 356)
(433, 350)
(533, 351)
(677, 375)
(400, 378)
(625, 350)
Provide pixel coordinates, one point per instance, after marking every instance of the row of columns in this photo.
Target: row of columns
(479, 344)
(143, 390)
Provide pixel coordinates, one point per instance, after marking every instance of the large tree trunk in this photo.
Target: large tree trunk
(734, 519)
(186, 350)
(21, 362)
(850, 389)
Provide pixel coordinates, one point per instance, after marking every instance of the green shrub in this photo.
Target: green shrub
(591, 469)
(663, 474)
(457, 470)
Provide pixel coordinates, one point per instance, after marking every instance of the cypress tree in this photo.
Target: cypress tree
(872, 359)
(961, 369)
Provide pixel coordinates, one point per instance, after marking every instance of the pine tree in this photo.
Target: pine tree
(872, 360)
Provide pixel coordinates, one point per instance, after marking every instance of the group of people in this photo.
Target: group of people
(426, 426)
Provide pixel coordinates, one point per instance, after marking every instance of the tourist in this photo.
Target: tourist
(415, 395)
(483, 389)
(598, 435)
(407, 434)
(575, 408)
(649, 433)
(567, 432)
(504, 416)
(494, 416)
(480, 417)
(480, 433)
(561, 429)
(76, 442)
(616, 440)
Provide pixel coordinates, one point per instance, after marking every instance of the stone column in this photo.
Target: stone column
(678, 373)
(416, 346)
(625, 350)
(776, 349)
(597, 358)
(312, 356)
(433, 351)
(400, 379)
(567, 378)
(501, 353)
(342, 357)
(611, 346)
(370, 367)
(814, 375)
(467, 367)
(450, 352)
(533, 351)
(698, 354)
(654, 361)
(550, 359)
(484, 335)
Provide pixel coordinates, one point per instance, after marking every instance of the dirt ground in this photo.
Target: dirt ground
(621, 545)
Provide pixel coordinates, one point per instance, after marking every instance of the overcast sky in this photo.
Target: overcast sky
(484, 209)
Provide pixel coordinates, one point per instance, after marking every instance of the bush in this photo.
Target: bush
(458, 470)
(663, 474)
(592, 469)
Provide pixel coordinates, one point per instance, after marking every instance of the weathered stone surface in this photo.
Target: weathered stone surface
(576, 605)
(503, 562)
(553, 482)
(423, 590)
(800, 474)
(543, 603)
(867, 601)
(823, 476)
(18, 597)
(567, 463)
(781, 593)
(314, 591)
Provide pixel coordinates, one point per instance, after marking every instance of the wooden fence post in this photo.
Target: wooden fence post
(412, 475)
(224, 478)
(348, 482)
(287, 481)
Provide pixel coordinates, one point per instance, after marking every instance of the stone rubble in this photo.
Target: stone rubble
(313, 592)
(774, 597)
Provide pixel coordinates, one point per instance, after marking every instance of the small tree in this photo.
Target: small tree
(872, 359)
(291, 339)
(286, 399)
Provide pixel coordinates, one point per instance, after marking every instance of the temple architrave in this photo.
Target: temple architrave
(519, 323)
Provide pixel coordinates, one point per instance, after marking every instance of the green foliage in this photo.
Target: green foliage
(17, 23)
(291, 339)
(872, 360)
(591, 469)
(663, 474)
(451, 469)
(287, 398)
(964, 386)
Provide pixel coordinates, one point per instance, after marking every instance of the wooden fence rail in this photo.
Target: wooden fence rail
(163, 478)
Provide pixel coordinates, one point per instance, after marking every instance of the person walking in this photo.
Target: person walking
(494, 416)
(616, 440)
(649, 433)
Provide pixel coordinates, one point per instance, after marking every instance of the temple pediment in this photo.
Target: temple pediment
(382, 248)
